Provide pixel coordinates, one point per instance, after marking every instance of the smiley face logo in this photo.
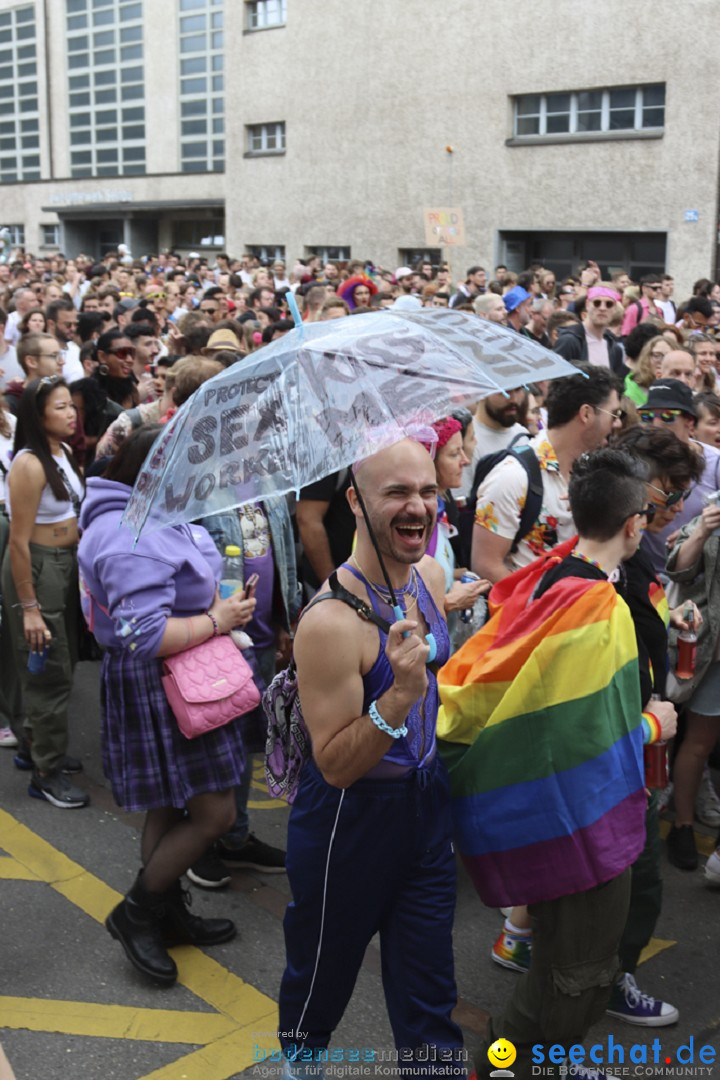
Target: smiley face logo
(502, 1053)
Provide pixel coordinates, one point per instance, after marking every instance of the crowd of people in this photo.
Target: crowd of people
(614, 470)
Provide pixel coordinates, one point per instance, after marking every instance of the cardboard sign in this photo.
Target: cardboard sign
(444, 227)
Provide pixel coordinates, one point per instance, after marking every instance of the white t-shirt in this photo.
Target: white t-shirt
(72, 368)
(502, 495)
(489, 441)
(597, 350)
(12, 334)
(10, 367)
(6, 445)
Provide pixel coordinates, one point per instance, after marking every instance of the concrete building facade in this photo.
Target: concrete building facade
(562, 132)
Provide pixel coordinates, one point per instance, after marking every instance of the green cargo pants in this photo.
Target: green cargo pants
(10, 699)
(46, 695)
(646, 891)
(574, 963)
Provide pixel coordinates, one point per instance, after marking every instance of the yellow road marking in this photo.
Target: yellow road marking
(113, 1021)
(240, 1008)
(221, 1059)
(12, 870)
(655, 946)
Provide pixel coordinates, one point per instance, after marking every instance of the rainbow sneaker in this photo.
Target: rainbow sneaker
(513, 950)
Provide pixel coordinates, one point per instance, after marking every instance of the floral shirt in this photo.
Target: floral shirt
(501, 498)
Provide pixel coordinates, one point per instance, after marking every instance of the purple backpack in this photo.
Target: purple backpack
(288, 744)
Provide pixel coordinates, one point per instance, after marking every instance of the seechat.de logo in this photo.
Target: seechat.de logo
(501, 1054)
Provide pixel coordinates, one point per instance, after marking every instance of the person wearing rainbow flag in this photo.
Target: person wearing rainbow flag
(557, 826)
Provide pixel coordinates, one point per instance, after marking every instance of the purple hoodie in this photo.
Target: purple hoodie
(129, 591)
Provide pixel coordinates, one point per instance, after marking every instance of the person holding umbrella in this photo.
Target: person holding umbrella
(369, 846)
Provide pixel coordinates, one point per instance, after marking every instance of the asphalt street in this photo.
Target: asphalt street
(71, 1005)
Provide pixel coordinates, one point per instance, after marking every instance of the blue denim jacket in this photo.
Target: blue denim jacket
(225, 529)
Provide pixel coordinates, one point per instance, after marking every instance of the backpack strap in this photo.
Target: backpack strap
(533, 502)
(339, 592)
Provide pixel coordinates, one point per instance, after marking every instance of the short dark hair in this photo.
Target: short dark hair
(139, 329)
(639, 337)
(606, 488)
(664, 454)
(710, 402)
(124, 467)
(699, 305)
(649, 279)
(567, 396)
(56, 306)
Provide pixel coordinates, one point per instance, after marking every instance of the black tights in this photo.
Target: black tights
(171, 841)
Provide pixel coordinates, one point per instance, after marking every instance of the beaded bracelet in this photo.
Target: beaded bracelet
(394, 733)
(28, 605)
(213, 620)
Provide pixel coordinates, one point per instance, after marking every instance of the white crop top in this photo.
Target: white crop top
(52, 510)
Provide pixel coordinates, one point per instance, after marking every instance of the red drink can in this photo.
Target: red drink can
(656, 765)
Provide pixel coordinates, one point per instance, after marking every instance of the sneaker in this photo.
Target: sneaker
(707, 803)
(712, 868)
(664, 797)
(628, 1003)
(7, 738)
(254, 855)
(681, 847)
(57, 789)
(68, 765)
(208, 872)
(512, 950)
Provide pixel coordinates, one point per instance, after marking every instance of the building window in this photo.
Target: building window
(266, 253)
(415, 256)
(262, 14)
(199, 233)
(266, 139)
(583, 112)
(19, 115)
(50, 235)
(202, 86)
(330, 254)
(15, 235)
(106, 88)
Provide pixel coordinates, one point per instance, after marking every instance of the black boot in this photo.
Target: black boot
(136, 924)
(180, 927)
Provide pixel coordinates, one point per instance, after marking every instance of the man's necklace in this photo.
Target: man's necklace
(383, 593)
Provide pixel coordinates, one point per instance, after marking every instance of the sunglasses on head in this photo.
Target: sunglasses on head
(125, 352)
(672, 498)
(48, 380)
(668, 416)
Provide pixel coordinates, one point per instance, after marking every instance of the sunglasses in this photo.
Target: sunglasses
(156, 296)
(672, 498)
(647, 512)
(603, 303)
(668, 416)
(48, 380)
(208, 310)
(617, 414)
(125, 352)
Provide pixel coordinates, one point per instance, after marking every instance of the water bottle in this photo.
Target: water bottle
(687, 646)
(657, 771)
(36, 661)
(232, 579)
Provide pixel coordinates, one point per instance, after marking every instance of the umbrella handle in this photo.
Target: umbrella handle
(429, 638)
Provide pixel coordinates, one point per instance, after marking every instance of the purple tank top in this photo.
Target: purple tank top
(417, 748)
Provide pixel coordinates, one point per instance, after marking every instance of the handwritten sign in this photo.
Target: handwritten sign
(444, 227)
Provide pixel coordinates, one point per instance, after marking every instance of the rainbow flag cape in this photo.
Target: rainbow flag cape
(540, 728)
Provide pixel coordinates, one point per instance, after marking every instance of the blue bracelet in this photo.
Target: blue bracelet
(394, 733)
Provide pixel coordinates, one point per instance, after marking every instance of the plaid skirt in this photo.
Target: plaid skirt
(148, 761)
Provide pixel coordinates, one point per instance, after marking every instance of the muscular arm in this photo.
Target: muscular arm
(309, 515)
(328, 653)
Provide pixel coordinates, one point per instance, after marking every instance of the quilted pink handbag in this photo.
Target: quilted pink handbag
(208, 685)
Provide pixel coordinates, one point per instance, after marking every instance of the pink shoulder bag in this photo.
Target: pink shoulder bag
(208, 685)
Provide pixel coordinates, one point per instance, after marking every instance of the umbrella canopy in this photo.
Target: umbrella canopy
(321, 397)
